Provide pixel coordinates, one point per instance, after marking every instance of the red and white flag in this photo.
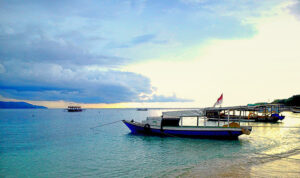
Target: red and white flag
(219, 101)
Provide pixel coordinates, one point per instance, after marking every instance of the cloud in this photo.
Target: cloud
(138, 40)
(162, 98)
(36, 46)
(53, 82)
(36, 81)
(76, 50)
(295, 8)
(142, 39)
(193, 1)
(245, 70)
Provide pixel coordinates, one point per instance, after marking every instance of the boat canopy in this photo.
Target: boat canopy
(74, 107)
(184, 113)
(237, 108)
(243, 108)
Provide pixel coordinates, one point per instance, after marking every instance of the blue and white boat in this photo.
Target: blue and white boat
(170, 124)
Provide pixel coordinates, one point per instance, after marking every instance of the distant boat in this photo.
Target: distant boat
(296, 110)
(142, 109)
(74, 109)
(170, 124)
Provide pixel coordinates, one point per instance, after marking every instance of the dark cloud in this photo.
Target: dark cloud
(35, 46)
(101, 94)
(57, 50)
(36, 81)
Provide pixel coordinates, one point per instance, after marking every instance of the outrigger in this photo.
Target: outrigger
(171, 124)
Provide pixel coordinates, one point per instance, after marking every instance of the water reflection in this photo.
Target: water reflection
(274, 150)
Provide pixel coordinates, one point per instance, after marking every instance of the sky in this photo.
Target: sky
(141, 53)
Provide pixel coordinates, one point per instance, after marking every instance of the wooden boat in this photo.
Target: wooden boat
(261, 113)
(172, 126)
(296, 110)
(74, 109)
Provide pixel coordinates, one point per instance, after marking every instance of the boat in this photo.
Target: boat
(142, 109)
(170, 124)
(296, 110)
(74, 109)
(260, 113)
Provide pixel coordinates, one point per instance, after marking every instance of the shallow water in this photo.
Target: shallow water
(54, 143)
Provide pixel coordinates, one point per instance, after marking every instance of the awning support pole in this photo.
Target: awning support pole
(228, 118)
(219, 119)
(240, 117)
(181, 120)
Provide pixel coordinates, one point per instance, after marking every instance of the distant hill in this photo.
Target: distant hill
(291, 101)
(19, 105)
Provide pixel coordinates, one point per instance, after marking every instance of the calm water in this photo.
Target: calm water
(54, 143)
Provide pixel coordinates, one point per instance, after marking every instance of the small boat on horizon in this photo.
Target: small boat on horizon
(74, 109)
(172, 126)
(142, 109)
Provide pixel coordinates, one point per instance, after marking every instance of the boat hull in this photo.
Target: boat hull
(191, 132)
(75, 110)
(296, 110)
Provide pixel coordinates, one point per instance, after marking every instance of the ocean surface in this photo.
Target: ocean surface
(55, 143)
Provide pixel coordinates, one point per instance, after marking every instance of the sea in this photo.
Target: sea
(95, 143)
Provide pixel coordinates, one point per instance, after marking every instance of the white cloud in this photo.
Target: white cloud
(261, 68)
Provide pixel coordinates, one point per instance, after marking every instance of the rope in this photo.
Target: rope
(106, 124)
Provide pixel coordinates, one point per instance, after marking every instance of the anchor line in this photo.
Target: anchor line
(106, 124)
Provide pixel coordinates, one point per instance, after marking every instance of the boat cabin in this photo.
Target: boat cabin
(160, 121)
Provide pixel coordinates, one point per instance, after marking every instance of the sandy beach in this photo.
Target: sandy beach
(285, 164)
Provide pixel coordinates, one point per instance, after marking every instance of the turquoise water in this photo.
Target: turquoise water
(54, 143)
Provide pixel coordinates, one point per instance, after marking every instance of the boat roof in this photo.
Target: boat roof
(184, 113)
(248, 108)
(240, 108)
(74, 106)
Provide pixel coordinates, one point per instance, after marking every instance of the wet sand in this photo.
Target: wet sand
(277, 165)
(281, 167)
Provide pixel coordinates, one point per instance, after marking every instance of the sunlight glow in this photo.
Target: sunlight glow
(245, 70)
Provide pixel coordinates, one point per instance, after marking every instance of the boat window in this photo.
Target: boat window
(188, 121)
(170, 122)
